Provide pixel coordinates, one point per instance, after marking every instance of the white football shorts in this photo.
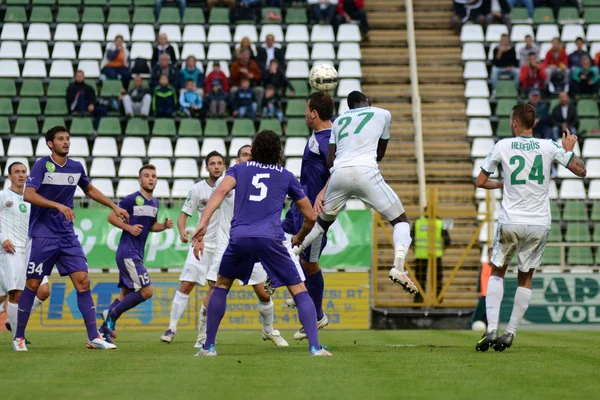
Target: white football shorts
(527, 241)
(198, 271)
(13, 270)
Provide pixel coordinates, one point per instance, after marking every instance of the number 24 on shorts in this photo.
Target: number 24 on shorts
(33, 269)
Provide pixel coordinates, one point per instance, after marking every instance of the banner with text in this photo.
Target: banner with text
(349, 240)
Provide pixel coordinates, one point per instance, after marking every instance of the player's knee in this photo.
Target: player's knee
(13, 296)
(147, 292)
(401, 218)
(82, 285)
(524, 278)
(498, 271)
(43, 292)
(261, 294)
(33, 284)
(310, 268)
(186, 287)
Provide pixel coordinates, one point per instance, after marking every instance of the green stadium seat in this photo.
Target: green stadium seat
(592, 15)
(588, 127)
(591, 3)
(145, 84)
(268, 10)
(143, 15)
(543, 15)
(587, 108)
(50, 122)
(7, 88)
(137, 127)
(15, 14)
(41, 15)
(26, 126)
(568, 15)
(42, 2)
(506, 90)
(68, 15)
(62, 3)
(553, 104)
(109, 126)
(580, 256)
(271, 125)
(92, 15)
(82, 126)
(4, 126)
(17, 2)
(56, 107)
(6, 107)
(300, 86)
(596, 211)
(555, 211)
(504, 107)
(555, 234)
(596, 237)
(164, 127)
(243, 127)
(551, 256)
(29, 107)
(111, 88)
(219, 15)
(504, 129)
(575, 211)
(215, 127)
(103, 3)
(169, 16)
(296, 16)
(191, 128)
(119, 15)
(295, 108)
(138, 3)
(519, 15)
(123, 3)
(193, 16)
(296, 127)
(32, 88)
(578, 232)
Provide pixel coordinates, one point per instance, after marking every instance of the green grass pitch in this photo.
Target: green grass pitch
(365, 365)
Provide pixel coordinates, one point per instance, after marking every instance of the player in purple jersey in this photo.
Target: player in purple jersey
(257, 236)
(134, 281)
(314, 174)
(52, 241)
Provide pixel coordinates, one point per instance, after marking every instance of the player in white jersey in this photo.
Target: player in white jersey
(206, 268)
(358, 141)
(14, 226)
(524, 221)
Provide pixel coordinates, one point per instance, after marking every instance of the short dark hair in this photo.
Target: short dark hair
(244, 78)
(51, 133)
(146, 166)
(212, 154)
(10, 167)
(266, 148)
(322, 103)
(532, 53)
(579, 38)
(503, 35)
(119, 36)
(356, 98)
(525, 114)
(239, 153)
(189, 80)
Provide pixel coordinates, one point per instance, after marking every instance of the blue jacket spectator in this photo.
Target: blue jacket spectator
(244, 101)
(575, 57)
(189, 100)
(191, 72)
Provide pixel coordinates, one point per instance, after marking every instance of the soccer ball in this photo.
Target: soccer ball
(323, 77)
(478, 326)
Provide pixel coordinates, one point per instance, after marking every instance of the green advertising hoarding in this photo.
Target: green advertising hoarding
(349, 240)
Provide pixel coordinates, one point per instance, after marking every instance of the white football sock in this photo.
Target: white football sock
(493, 300)
(313, 235)
(178, 306)
(202, 320)
(266, 312)
(1, 307)
(12, 310)
(36, 303)
(522, 300)
(402, 241)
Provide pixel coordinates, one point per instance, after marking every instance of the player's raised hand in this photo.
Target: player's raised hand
(168, 223)
(8, 246)
(67, 212)
(199, 249)
(136, 230)
(568, 140)
(184, 236)
(122, 214)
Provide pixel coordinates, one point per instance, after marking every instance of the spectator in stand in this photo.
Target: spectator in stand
(245, 10)
(269, 52)
(244, 101)
(162, 47)
(115, 64)
(225, 3)
(576, 56)
(271, 104)
(530, 47)
(564, 116)
(138, 100)
(160, 3)
(164, 99)
(556, 65)
(190, 102)
(499, 11)
(245, 44)
(164, 67)
(347, 10)
(217, 100)
(191, 71)
(468, 10)
(541, 126)
(585, 78)
(505, 62)
(216, 75)
(81, 98)
(322, 11)
(533, 76)
(528, 4)
(244, 67)
(277, 78)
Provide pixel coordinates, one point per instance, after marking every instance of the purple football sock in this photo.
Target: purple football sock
(114, 304)
(129, 302)
(315, 285)
(308, 318)
(88, 311)
(216, 311)
(25, 304)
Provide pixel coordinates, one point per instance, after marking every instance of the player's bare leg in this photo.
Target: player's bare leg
(402, 241)
(127, 300)
(266, 309)
(493, 300)
(178, 306)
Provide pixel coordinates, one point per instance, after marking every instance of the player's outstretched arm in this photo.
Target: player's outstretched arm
(99, 197)
(214, 202)
(31, 196)
(310, 217)
(484, 182)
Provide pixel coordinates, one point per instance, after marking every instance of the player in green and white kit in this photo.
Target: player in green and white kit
(524, 221)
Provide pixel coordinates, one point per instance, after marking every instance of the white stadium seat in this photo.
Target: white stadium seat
(571, 32)
(162, 190)
(572, 189)
(65, 51)
(90, 51)
(11, 49)
(163, 167)
(105, 147)
(593, 190)
(477, 168)
(141, 50)
(343, 107)
(294, 165)
(518, 33)
(348, 33)
(172, 31)
(1, 149)
(219, 33)
(219, 51)
(118, 29)
(591, 148)
(475, 70)
(66, 32)
(296, 51)
(160, 147)
(127, 186)
(473, 52)
(193, 49)
(92, 33)
(130, 167)
(12, 31)
(244, 30)
(564, 173)
(223, 64)
(322, 51)
(236, 144)
(477, 88)
(297, 69)
(186, 168)
(181, 188)
(479, 127)
(349, 69)
(294, 147)
(143, 33)
(490, 54)
(322, 33)
(593, 33)
(593, 168)
(547, 32)
(494, 31)
(571, 47)
(61, 69)
(133, 147)
(103, 167)
(210, 144)
(34, 69)
(348, 85)
(90, 68)
(274, 30)
(478, 108)
(9, 69)
(105, 186)
(41, 149)
(471, 33)
(20, 146)
(349, 51)
(296, 33)
(481, 147)
(79, 147)
(187, 147)
(194, 34)
(544, 47)
(38, 31)
(552, 190)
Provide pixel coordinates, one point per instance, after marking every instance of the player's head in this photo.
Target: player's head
(147, 177)
(358, 99)
(215, 164)
(319, 108)
(58, 140)
(522, 118)
(266, 148)
(244, 154)
(17, 174)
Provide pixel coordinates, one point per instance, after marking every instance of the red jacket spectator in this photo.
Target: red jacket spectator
(560, 61)
(532, 77)
(214, 75)
(359, 4)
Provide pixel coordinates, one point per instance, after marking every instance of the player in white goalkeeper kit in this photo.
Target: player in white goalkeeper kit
(358, 141)
(524, 221)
